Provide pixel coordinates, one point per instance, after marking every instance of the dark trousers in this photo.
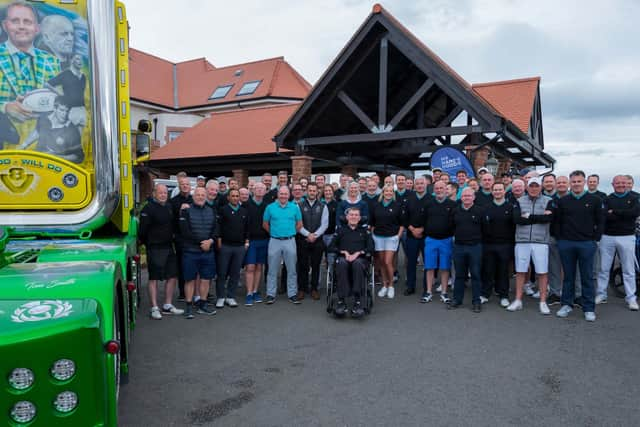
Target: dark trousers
(467, 259)
(229, 264)
(351, 276)
(495, 266)
(582, 253)
(414, 247)
(309, 256)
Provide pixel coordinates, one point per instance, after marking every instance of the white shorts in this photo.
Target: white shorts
(525, 252)
(386, 243)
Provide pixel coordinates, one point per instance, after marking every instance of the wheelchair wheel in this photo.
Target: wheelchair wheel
(330, 299)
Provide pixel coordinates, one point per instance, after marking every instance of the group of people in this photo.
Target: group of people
(559, 232)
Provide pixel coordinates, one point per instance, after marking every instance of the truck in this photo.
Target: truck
(69, 260)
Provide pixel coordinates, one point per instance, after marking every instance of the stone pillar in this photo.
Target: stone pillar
(503, 166)
(350, 170)
(300, 167)
(242, 176)
(480, 157)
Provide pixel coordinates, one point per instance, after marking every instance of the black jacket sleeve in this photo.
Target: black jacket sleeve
(334, 244)
(185, 226)
(370, 245)
(145, 222)
(543, 219)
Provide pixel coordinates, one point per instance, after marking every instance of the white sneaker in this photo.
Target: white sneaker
(504, 302)
(633, 305)
(170, 309)
(220, 303)
(450, 281)
(439, 289)
(155, 313)
(544, 309)
(536, 295)
(484, 300)
(528, 289)
(564, 311)
(391, 292)
(231, 302)
(516, 305)
(382, 292)
(589, 316)
(601, 299)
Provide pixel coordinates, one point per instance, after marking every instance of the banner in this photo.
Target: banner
(451, 160)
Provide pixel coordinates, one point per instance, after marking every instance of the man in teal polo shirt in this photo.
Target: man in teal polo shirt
(282, 219)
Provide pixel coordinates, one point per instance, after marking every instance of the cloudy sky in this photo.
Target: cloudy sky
(584, 51)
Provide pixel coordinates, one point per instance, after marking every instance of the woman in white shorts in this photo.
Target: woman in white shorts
(386, 225)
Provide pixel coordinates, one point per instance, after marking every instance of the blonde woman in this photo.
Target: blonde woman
(386, 225)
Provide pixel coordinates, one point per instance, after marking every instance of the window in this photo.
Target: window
(221, 92)
(249, 87)
(174, 134)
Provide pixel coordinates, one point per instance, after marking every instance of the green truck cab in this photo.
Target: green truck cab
(69, 263)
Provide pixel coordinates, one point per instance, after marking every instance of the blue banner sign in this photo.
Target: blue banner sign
(451, 160)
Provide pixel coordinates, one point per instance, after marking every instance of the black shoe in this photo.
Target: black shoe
(553, 300)
(269, 299)
(188, 312)
(341, 308)
(294, 300)
(577, 302)
(357, 311)
(396, 277)
(454, 305)
(477, 308)
(409, 291)
(204, 309)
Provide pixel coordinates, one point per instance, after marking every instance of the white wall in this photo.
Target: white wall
(165, 120)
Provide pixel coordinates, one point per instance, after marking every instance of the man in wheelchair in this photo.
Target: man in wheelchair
(353, 246)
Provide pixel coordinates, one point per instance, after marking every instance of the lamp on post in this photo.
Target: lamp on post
(492, 164)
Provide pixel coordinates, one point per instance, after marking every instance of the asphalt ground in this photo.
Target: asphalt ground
(405, 364)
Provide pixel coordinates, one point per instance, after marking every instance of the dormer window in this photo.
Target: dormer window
(249, 87)
(221, 92)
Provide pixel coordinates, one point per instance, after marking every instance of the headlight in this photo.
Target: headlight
(63, 369)
(23, 412)
(66, 402)
(21, 378)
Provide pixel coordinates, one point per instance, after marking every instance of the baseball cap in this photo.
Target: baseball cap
(483, 169)
(535, 180)
(436, 170)
(201, 177)
(222, 179)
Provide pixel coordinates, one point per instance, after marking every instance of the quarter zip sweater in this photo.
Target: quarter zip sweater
(579, 218)
(387, 220)
(156, 224)
(483, 199)
(625, 209)
(468, 225)
(497, 223)
(439, 218)
(256, 213)
(234, 225)
(414, 214)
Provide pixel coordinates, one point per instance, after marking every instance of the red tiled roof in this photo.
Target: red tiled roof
(512, 99)
(152, 80)
(232, 133)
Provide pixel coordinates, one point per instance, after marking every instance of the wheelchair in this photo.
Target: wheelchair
(367, 294)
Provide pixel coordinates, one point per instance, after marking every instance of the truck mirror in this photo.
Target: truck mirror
(145, 126)
(142, 143)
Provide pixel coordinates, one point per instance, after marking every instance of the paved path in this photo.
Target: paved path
(405, 364)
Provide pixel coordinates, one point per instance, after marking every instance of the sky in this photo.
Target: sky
(586, 53)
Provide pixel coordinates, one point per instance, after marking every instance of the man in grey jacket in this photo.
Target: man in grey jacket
(532, 215)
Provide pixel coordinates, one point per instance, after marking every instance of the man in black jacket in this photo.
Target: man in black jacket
(467, 249)
(414, 223)
(156, 232)
(498, 231)
(622, 208)
(353, 246)
(310, 246)
(233, 242)
(579, 219)
(180, 201)
(198, 230)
